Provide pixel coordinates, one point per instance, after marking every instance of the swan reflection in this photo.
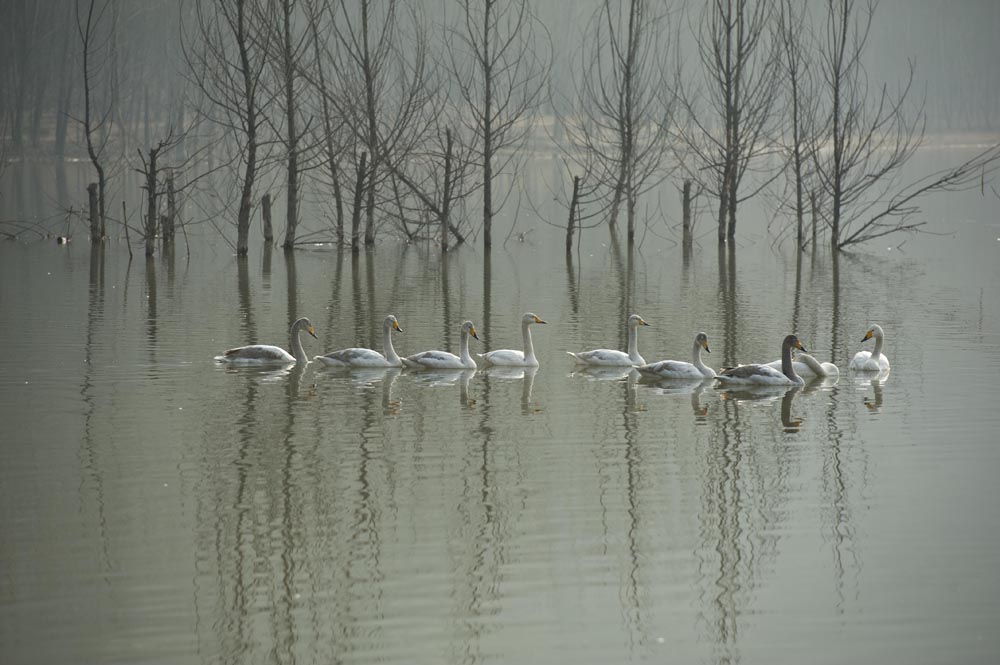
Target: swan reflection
(597, 373)
(874, 404)
(442, 377)
(526, 375)
(693, 387)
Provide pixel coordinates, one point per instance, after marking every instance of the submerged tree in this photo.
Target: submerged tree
(96, 125)
(500, 73)
(623, 104)
(871, 134)
(227, 63)
(794, 38)
(727, 128)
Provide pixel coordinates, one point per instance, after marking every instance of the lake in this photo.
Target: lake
(157, 507)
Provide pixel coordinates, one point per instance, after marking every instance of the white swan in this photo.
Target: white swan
(808, 367)
(266, 354)
(358, 357)
(764, 374)
(678, 369)
(513, 357)
(613, 357)
(443, 359)
(874, 361)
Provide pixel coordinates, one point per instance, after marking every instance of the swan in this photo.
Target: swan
(613, 357)
(874, 361)
(764, 374)
(443, 359)
(808, 367)
(357, 357)
(266, 354)
(677, 369)
(513, 357)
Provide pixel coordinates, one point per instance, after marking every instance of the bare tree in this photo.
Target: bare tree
(795, 40)
(623, 103)
(287, 48)
(727, 132)
(501, 72)
(331, 127)
(95, 125)
(227, 64)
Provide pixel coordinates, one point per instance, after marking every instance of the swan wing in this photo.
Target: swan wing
(259, 353)
(434, 360)
(504, 357)
(354, 357)
(608, 357)
(673, 369)
(753, 374)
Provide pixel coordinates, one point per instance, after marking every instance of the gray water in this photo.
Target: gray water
(156, 507)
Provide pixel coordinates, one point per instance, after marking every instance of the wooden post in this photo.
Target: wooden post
(573, 205)
(95, 217)
(265, 212)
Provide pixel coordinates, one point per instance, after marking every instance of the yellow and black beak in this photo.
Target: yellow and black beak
(538, 320)
(868, 336)
(798, 345)
(704, 344)
(472, 331)
(312, 332)
(642, 322)
(395, 326)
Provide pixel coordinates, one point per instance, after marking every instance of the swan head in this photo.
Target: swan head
(391, 323)
(635, 320)
(874, 331)
(529, 318)
(793, 342)
(469, 329)
(701, 339)
(306, 324)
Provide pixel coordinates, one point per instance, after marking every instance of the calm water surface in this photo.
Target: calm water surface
(158, 508)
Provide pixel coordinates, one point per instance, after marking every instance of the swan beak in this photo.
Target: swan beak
(312, 332)
(868, 336)
(472, 331)
(642, 322)
(538, 320)
(798, 345)
(395, 326)
(707, 350)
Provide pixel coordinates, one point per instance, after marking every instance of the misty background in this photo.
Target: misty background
(155, 79)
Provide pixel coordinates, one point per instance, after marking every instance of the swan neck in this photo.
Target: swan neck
(297, 350)
(878, 346)
(696, 357)
(786, 363)
(390, 353)
(633, 341)
(529, 349)
(463, 347)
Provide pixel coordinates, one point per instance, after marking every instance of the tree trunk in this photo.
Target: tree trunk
(292, 190)
(686, 211)
(359, 190)
(265, 214)
(171, 216)
(571, 223)
(95, 220)
(446, 197)
(151, 211)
